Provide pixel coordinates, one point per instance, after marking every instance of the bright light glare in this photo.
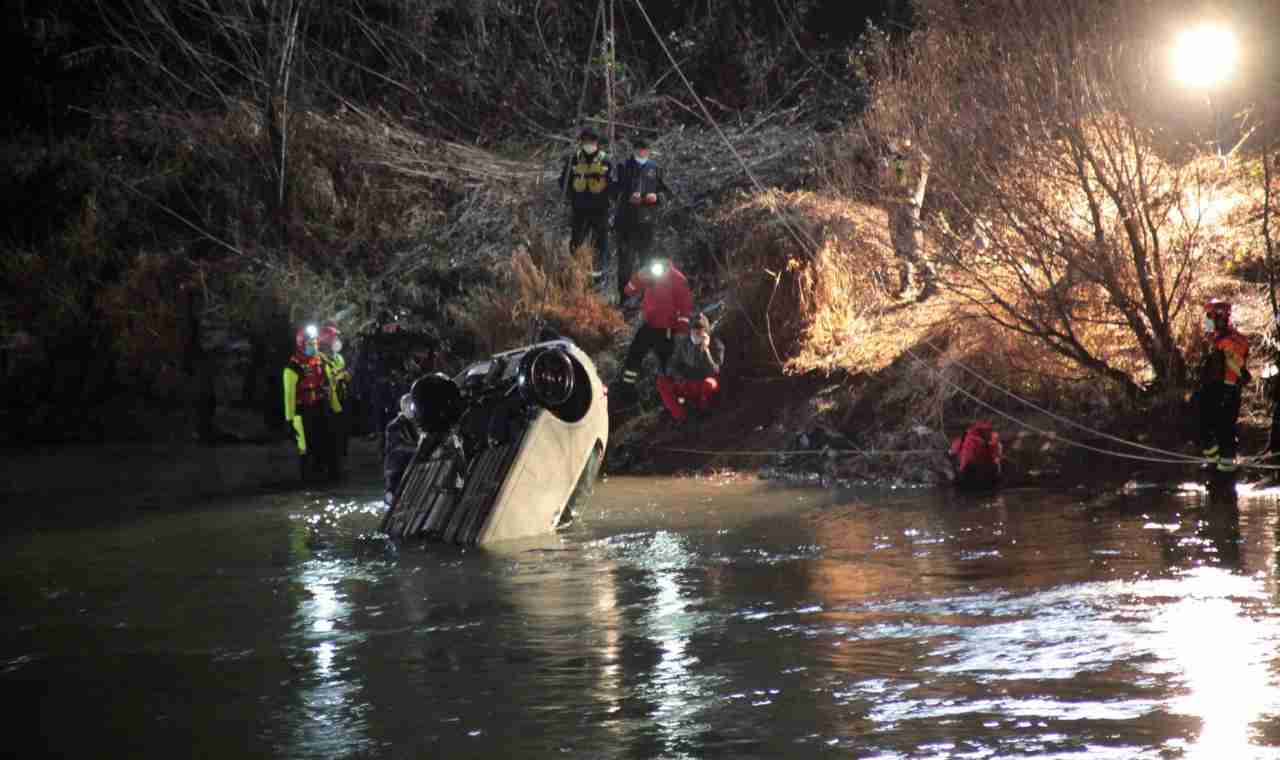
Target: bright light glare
(657, 268)
(1204, 56)
(312, 331)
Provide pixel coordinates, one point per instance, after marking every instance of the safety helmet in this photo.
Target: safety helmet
(588, 135)
(1218, 310)
(305, 335)
(328, 334)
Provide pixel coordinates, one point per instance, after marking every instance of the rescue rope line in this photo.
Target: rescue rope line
(1189, 458)
(827, 452)
(803, 240)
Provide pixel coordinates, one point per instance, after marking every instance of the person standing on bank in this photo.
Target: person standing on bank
(1222, 375)
(330, 345)
(693, 372)
(666, 306)
(309, 406)
(585, 183)
(907, 177)
(640, 190)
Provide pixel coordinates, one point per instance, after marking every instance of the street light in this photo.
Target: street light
(1204, 57)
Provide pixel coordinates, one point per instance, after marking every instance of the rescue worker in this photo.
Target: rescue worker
(693, 373)
(907, 170)
(402, 438)
(585, 184)
(640, 190)
(309, 405)
(1223, 373)
(330, 345)
(976, 457)
(666, 306)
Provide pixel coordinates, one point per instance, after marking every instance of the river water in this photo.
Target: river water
(689, 618)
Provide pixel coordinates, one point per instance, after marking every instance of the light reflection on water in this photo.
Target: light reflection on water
(676, 619)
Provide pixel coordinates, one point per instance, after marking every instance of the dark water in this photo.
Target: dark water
(675, 619)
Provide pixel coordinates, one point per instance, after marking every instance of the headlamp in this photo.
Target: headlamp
(312, 332)
(657, 269)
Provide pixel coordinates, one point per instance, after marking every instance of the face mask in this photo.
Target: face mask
(337, 345)
(589, 148)
(1208, 325)
(309, 350)
(642, 160)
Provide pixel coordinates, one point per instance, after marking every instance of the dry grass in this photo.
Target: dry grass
(539, 285)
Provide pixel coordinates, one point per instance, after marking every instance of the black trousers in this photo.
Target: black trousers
(655, 339)
(633, 243)
(1219, 410)
(321, 459)
(593, 223)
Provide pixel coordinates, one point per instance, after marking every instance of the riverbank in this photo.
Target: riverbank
(82, 482)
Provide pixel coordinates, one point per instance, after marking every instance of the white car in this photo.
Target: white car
(508, 448)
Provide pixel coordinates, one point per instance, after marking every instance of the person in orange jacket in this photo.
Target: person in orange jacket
(976, 457)
(1223, 373)
(666, 304)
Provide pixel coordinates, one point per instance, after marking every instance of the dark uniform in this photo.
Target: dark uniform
(585, 183)
(640, 190)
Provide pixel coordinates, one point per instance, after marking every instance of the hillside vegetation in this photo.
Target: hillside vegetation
(199, 177)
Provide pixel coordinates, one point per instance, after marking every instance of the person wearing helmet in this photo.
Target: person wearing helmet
(1223, 373)
(402, 438)
(585, 182)
(309, 404)
(640, 189)
(330, 344)
(666, 305)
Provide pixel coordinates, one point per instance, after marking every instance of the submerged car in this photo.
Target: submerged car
(507, 449)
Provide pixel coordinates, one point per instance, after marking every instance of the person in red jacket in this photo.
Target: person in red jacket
(976, 457)
(667, 304)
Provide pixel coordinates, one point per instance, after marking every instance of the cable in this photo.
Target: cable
(1188, 457)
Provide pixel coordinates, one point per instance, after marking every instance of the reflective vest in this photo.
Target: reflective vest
(589, 173)
(313, 381)
(1230, 353)
(339, 377)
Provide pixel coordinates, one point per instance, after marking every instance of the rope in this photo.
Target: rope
(1189, 458)
(794, 453)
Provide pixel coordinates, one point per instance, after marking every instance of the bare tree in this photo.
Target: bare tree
(216, 51)
(1060, 210)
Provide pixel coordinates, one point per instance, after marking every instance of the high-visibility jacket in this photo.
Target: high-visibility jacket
(339, 377)
(1227, 357)
(307, 385)
(585, 181)
(667, 303)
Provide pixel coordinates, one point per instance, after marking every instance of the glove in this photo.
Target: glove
(651, 198)
(635, 199)
(668, 333)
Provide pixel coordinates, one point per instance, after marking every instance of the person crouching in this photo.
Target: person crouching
(976, 457)
(693, 372)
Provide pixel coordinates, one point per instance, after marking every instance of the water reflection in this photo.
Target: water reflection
(331, 719)
(676, 619)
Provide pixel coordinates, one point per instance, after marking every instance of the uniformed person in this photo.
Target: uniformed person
(641, 190)
(585, 182)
